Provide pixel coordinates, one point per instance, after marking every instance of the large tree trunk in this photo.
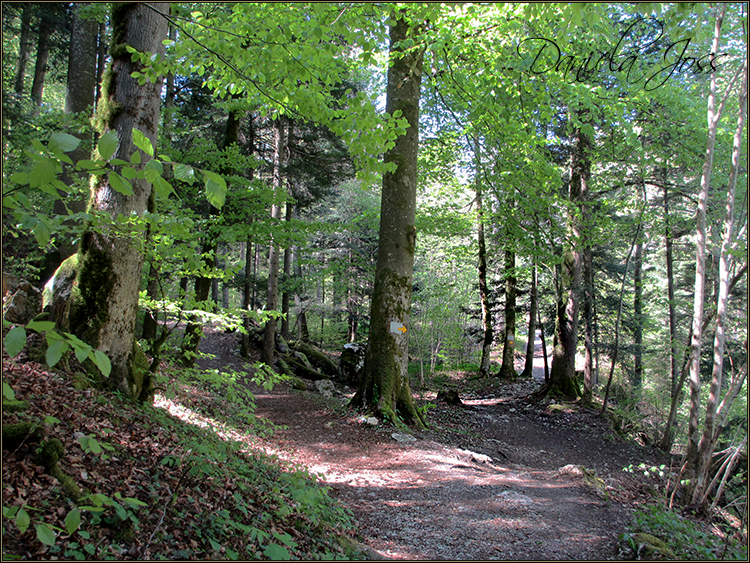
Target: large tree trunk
(269, 332)
(507, 368)
(563, 376)
(103, 312)
(707, 444)
(384, 387)
(700, 264)
(24, 47)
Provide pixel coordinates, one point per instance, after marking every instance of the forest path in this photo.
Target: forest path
(499, 478)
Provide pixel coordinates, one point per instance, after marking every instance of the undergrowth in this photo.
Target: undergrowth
(154, 485)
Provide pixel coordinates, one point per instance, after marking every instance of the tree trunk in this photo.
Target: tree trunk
(544, 349)
(304, 332)
(245, 339)
(384, 386)
(103, 312)
(101, 60)
(638, 320)
(42, 56)
(269, 332)
(508, 369)
(710, 436)
(528, 367)
(286, 279)
(24, 47)
(700, 264)
(563, 374)
(487, 335)
(588, 318)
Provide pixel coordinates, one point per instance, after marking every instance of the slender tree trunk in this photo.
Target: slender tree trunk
(245, 339)
(707, 444)
(487, 335)
(304, 332)
(528, 367)
(269, 332)
(42, 57)
(638, 318)
(24, 47)
(507, 368)
(384, 386)
(700, 264)
(588, 318)
(286, 279)
(110, 258)
(544, 348)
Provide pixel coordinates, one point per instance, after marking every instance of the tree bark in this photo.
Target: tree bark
(638, 318)
(269, 332)
(700, 263)
(24, 47)
(707, 444)
(103, 311)
(42, 56)
(563, 376)
(528, 367)
(384, 387)
(487, 334)
(589, 375)
(507, 368)
(285, 295)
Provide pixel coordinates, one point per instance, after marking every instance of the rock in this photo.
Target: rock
(449, 396)
(10, 283)
(352, 363)
(325, 387)
(514, 497)
(372, 421)
(24, 303)
(644, 546)
(468, 455)
(58, 290)
(403, 438)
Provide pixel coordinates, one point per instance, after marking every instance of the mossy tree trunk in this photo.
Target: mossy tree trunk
(507, 368)
(103, 311)
(384, 387)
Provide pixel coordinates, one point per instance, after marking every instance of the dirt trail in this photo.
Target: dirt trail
(497, 479)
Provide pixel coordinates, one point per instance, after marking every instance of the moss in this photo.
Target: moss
(50, 453)
(80, 380)
(15, 406)
(16, 434)
(651, 547)
(95, 280)
(140, 379)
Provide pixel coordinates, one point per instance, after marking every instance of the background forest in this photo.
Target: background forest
(580, 179)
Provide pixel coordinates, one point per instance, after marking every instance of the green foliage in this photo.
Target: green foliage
(689, 539)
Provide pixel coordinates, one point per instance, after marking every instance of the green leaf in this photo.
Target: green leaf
(55, 352)
(42, 233)
(8, 392)
(108, 145)
(94, 445)
(129, 172)
(23, 520)
(45, 534)
(73, 521)
(20, 178)
(43, 173)
(162, 187)
(135, 158)
(86, 164)
(63, 142)
(276, 552)
(15, 340)
(142, 142)
(216, 189)
(41, 326)
(214, 544)
(102, 362)
(184, 172)
(120, 184)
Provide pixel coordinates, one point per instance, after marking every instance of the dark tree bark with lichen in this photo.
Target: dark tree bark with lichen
(103, 309)
(384, 387)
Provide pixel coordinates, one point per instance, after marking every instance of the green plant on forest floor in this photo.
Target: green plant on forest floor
(689, 539)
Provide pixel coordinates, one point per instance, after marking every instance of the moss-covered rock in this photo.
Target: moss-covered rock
(58, 292)
(48, 457)
(15, 406)
(21, 432)
(651, 547)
